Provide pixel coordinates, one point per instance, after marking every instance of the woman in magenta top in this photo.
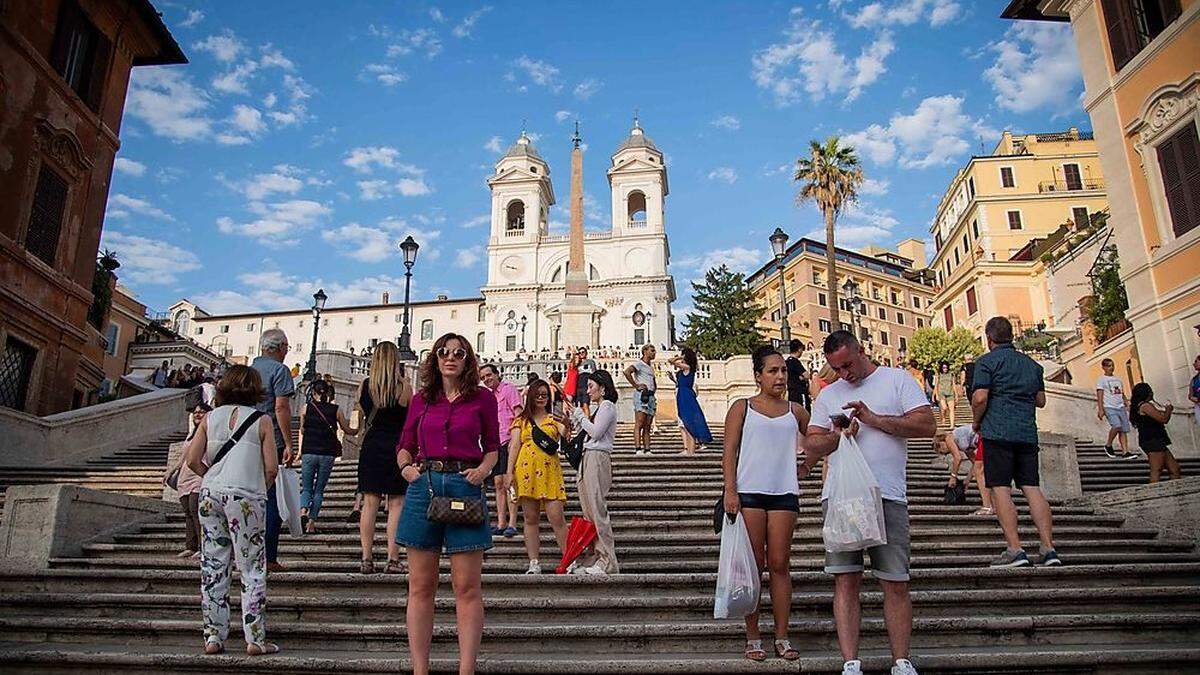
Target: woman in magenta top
(450, 443)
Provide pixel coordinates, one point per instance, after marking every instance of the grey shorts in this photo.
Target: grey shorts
(889, 562)
(1118, 418)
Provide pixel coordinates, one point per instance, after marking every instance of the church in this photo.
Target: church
(544, 291)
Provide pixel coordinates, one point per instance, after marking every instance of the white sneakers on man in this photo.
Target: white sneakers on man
(534, 567)
(903, 667)
(853, 667)
(593, 571)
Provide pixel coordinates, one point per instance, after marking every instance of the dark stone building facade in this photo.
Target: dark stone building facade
(64, 72)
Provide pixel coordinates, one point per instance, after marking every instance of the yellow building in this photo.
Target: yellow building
(994, 212)
(1141, 73)
(894, 292)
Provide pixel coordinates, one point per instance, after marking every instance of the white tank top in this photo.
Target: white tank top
(241, 471)
(767, 460)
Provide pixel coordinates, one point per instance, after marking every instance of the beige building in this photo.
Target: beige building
(994, 210)
(1141, 75)
(894, 295)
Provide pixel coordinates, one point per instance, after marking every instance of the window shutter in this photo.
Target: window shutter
(1122, 37)
(972, 302)
(1014, 220)
(948, 314)
(94, 87)
(1179, 161)
(46, 215)
(68, 24)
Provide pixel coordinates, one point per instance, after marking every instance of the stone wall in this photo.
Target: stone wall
(79, 435)
(1172, 506)
(1072, 410)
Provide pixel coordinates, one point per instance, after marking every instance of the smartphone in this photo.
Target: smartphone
(840, 420)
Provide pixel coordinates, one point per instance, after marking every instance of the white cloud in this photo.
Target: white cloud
(148, 261)
(282, 291)
(436, 15)
(737, 258)
(194, 17)
(493, 145)
(224, 47)
(809, 63)
(478, 221)
(858, 226)
(278, 223)
(273, 58)
(120, 205)
(937, 132)
(541, 73)
(587, 88)
(874, 187)
(423, 40)
(284, 119)
(905, 13)
(232, 139)
(464, 27)
(247, 119)
(366, 244)
(385, 74)
(468, 257)
(129, 167)
(263, 185)
(1036, 66)
(236, 80)
(412, 187)
(270, 100)
(371, 190)
(167, 102)
(723, 173)
(562, 116)
(362, 159)
(728, 122)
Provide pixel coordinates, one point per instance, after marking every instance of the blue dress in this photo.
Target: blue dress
(690, 414)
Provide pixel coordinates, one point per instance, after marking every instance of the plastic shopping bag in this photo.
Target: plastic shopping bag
(854, 510)
(287, 498)
(738, 580)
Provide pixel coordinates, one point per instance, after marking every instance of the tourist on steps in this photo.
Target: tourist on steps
(1151, 422)
(187, 486)
(594, 478)
(319, 447)
(692, 425)
(449, 446)
(962, 443)
(1112, 406)
(946, 390)
(881, 407)
(1008, 390)
(278, 388)
(384, 400)
(762, 445)
(233, 508)
(797, 376)
(535, 470)
(508, 406)
(1194, 390)
(640, 375)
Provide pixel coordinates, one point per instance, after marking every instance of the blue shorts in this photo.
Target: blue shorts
(416, 531)
(649, 407)
(1118, 418)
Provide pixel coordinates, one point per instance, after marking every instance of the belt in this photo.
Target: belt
(447, 465)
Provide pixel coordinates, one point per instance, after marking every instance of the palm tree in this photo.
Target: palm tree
(830, 177)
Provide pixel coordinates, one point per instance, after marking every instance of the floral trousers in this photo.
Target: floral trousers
(233, 526)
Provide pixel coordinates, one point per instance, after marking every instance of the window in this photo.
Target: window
(427, 329)
(822, 300)
(324, 345)
(46, 215)
(824, 325)
(325, 322)
(1072, 177)
(80, 53)
(791, 306)
(1080, 215)
(900, 318)
(937, 241)
(775, 315)
(971, 187)
(844, 326)
(454, 314)
(373, 343)
(1014, 220)
(349, 345)
(966, 246)
(864, 333)
(16, 370)
(903, 344)
(199, 330)
(844, 304)
(972, 302)
(1133, 24)
(479, 341)
(375, 319)
(883, 313)
(399, 317)
(515, 216)
(482, 313)
(276, 324)
(883, 337)
(817, 279)
(298, 348)
(110, 339)
(975, 228)
(250, 327)
(224, 328)
(510, 343)
(920, 322)
(639, 336)
(349, 321)
(948, 317)
(956, 261)
(916, 302)
(895, 298)
(1006, 177)
(1179, 162)
(301, 323)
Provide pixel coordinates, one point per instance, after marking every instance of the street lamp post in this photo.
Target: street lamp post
(524, 321)
(409, 246)
(779, 240)
(319, 299)
(649, 316)
(853, 301)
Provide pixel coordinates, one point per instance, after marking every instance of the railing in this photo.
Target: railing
(1070, 186)
(554, 238)
(515, 232)
(637, 222)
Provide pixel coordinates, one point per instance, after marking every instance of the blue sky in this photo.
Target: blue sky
(305, 139)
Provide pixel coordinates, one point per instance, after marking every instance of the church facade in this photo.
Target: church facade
(520, 307)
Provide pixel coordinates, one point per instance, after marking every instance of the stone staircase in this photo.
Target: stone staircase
(1127, 601)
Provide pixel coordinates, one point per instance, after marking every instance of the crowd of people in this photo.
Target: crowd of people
(429, 457)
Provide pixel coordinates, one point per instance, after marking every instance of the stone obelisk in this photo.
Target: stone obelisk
(576, 312)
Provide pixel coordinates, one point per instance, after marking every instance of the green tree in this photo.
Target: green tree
(1111, 302)
(724, 321)
(830, 177)
(106, 263)
(930, 346)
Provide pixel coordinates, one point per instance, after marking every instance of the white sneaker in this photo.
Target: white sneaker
(903, 667)
(594, 571)
(534, 568)
(852, 667)
(573, 568)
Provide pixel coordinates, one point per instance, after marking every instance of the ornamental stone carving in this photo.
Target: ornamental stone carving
(1168, 105)
(614, 302)
(64, 148)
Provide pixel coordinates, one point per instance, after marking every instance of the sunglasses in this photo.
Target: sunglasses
(445, 353)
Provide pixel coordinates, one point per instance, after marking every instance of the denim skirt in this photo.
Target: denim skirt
(417, 531)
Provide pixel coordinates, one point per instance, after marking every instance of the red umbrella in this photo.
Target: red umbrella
(580, 533)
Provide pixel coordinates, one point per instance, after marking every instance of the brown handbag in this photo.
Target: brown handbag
(450, 510)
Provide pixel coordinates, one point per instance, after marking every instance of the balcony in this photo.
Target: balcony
(515, 232)
(636, 222)
(1071, 186)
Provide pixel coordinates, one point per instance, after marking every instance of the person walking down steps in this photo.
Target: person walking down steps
(319, 447)
(692, 425)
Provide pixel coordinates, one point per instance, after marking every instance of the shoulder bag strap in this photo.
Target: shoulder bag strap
(250, 420)
(542, 439)
(326, 419)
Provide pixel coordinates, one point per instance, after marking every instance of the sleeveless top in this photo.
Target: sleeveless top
(1152, 434)
(320, 435)
(241, 471)
(767, 460)
(388, 422)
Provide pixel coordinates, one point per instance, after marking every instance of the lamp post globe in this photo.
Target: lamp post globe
(409, 248)
(779, 240)
(319, 299)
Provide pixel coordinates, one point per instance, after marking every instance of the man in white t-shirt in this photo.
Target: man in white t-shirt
(884, 406)
(1112, 405)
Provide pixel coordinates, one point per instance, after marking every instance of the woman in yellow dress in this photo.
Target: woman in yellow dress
(535, 470)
